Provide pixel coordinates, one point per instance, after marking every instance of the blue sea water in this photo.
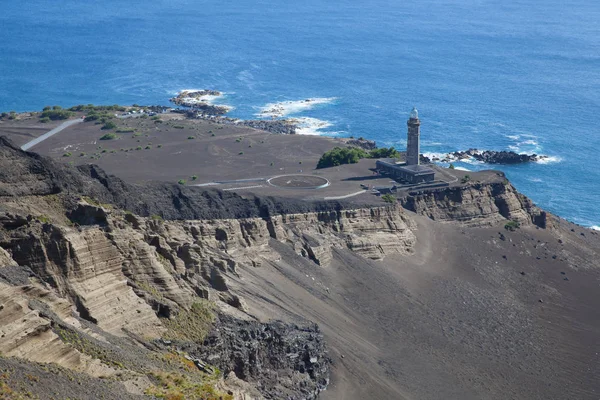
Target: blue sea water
(519, 74)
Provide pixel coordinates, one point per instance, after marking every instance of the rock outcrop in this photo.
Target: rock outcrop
(490, 157)
(476, 204)
(284, 361)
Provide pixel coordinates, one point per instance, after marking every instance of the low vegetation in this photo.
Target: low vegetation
(181, 181)
(389, 198)
(175, 386)
(351, 155)
(91, 107)
(512, 226)
(193, 324)
(56, 113)
(109, 136)
(108, 125)
(465, 179)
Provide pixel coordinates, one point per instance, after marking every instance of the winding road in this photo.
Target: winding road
(51, 133)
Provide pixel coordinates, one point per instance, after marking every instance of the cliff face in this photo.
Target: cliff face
(476, 205)
(107, 262)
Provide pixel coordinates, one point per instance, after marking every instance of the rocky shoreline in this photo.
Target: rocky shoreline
(489, 157)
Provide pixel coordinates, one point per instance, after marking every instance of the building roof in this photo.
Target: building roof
(411, 169)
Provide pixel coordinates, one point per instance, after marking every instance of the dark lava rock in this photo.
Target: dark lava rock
(362, 143)
(497, 157)
(284, 361)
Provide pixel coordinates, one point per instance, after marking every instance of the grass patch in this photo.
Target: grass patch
(178, 126)
(193, 324)
(178, 386)
(67, 154)
(181, 181)
(87, 347)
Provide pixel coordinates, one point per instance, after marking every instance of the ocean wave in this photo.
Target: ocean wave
(285, 108)
(530, 142)
(462, 169)
(310, 126)
(549, 160)
(536, 180)
(513, 137)
(595, 227)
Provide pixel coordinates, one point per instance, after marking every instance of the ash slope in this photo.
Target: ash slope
(437, 302)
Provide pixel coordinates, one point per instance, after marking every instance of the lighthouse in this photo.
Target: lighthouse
(412, 144)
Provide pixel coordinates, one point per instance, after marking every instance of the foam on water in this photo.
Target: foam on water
(462, 169)
(549, 160)
(292, 107)
(595, 227)
(310, 126)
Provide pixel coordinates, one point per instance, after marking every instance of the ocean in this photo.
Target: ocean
(522, 75)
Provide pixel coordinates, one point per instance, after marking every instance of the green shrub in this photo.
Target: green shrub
(103, 151)
(466, 179)
(512, 226)
(56, 115)
(388, 198)
(451, 166)
(194, 177)
(67, 155)
(155, 118)
(159, 145)
(191, 137)
(82, 154)
(125, 130)
(44, 120)
(109, 136)
(109, 125)
(138, 148)
(384, 153)
(339, 156)
(148, 147)
(178, 126)
(181, 181)
(241, 153)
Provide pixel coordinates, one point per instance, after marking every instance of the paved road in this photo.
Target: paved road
(53, 132)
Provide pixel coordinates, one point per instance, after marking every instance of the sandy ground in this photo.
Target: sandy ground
(468, 316)
(240, 159)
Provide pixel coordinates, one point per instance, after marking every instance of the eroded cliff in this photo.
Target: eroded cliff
(91, 268)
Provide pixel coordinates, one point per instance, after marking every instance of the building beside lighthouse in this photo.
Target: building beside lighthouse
(411, 171)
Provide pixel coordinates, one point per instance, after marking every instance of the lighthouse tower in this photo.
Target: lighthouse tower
(414, 132)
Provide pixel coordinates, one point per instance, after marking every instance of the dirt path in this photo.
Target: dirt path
(51, 133)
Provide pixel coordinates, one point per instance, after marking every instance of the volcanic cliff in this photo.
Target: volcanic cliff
(160, 289)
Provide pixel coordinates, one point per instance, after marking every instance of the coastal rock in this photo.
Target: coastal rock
(490, 157)
(362, 143)
(200, 102)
